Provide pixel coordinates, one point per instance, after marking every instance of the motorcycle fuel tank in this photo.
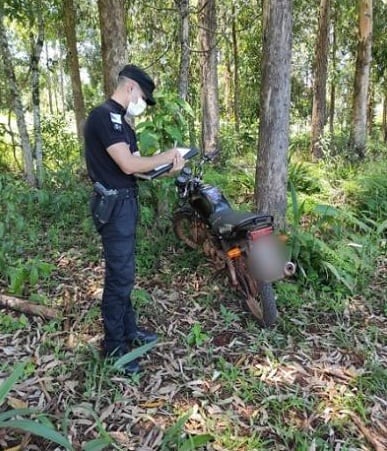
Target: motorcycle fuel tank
(208, 200)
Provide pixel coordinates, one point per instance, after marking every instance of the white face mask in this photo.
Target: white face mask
(135, 109)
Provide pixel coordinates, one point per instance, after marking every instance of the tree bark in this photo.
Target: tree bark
(235, 53)
(49, 82)
(113, 41)
(384, 120)
(271, 170)
(69, 16)
(332, 101)
(37, 47)
(209, 75)
(361, 84)
(320, 80)
(17, 105)
(185, 52)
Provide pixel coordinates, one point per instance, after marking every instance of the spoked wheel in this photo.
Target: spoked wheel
(259, 296)
(189, 228)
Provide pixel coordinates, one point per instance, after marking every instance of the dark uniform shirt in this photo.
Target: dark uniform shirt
(105, 126)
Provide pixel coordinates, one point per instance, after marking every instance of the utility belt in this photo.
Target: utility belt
(105, 200)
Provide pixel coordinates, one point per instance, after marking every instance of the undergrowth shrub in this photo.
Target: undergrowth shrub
(328, 245)
(366, 192)
(34, 224)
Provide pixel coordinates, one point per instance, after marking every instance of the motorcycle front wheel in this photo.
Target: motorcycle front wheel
(189, 228)
(259, 296)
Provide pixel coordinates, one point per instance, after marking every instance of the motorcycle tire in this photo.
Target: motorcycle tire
(189, 228)
(259, 296)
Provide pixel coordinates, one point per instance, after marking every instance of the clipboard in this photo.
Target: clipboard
(186, 152)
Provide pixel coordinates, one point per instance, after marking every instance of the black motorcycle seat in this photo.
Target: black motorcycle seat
(230, 220)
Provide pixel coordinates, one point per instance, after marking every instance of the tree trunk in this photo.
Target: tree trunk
(228, 84)
(236, 69)
(271, 171)
(332, 101)
(209, 75)
(320, 80)
(112, 17)
(36, 50)
(49, 82)
(69, 16)
(62, 80)
(185, 52)
(384, 121)
(17, 105)
(360, 96)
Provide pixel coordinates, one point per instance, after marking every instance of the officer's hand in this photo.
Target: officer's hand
(178, 164)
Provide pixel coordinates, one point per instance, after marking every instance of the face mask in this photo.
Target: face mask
(135, 109)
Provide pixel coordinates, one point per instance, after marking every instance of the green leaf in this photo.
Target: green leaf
(7, 385)
(97, 444)
(195, 442)
(130, 356)
(38, 429)
(16, 412)
(34, 276)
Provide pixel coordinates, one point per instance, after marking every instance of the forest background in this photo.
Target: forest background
(317, 70)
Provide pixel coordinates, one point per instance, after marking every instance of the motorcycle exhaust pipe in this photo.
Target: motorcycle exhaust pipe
(289, 269)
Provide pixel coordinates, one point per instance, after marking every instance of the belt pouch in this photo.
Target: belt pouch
(104, 207)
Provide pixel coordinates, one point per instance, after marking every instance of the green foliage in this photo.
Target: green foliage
(367, 191)
(175, 438)
(196, 336)
(34, 223)
(323, 249)
(8, 324)
(167, 125)
(15, 418)
(61, 147)
(28, 274)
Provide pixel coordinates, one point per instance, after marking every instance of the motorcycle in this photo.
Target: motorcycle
(243, 243)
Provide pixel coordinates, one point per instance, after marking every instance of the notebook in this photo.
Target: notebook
(186, 152)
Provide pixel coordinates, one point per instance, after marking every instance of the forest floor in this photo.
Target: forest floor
(315, 381)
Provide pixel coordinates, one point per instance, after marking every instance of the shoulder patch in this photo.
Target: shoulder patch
(115, 118)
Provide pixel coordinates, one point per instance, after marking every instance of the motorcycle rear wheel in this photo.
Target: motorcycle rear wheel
(259, 296)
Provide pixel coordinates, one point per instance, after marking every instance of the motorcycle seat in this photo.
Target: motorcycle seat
(229, 220)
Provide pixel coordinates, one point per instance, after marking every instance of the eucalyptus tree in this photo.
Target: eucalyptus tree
(379, 59)
(185, 50)
(112, 17)
(209, 75)
(271, 169)
(36, 50)
(320, 79)
(69, 16)
(15, 96)
(362, 76)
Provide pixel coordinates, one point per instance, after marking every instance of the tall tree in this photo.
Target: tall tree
(320, 79)
(235, 52)
(209, 75)
(362, 74)
(69, 15)
(112, 17)
(17, 103)
(271, 170)
(36, 50)
(185, 52)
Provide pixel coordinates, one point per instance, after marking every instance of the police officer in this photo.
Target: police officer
(112, 157)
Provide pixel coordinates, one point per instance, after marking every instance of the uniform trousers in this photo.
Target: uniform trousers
(119, 241)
